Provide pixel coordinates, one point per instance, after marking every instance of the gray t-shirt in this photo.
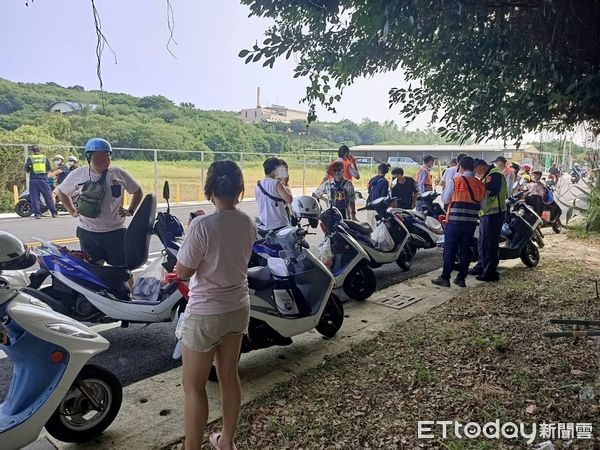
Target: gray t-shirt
(116, 180)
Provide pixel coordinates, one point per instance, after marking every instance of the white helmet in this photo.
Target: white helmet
(14, 255)
(72, 158)
(61, 157)
(306, 207)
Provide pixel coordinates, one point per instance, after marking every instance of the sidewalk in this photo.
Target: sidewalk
(152, 417)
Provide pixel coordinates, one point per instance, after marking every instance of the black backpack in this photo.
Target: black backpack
(89, 203)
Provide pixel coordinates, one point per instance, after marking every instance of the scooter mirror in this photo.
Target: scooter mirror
(166, 191)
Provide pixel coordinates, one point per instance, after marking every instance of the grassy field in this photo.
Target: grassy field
(186, 177)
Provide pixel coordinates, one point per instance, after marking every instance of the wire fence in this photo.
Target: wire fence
(186, 169)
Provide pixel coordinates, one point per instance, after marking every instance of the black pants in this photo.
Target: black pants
(535, 201)
(108, 246)
(457, 240)
(488, 244)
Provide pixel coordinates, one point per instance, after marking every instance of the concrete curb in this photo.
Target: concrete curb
(152, 416)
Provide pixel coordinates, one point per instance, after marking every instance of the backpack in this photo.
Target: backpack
(89, 203)
(548, 196)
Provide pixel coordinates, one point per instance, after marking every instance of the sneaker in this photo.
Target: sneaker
(37, 216)
(443, 282)
(459, 282)
(54, 216)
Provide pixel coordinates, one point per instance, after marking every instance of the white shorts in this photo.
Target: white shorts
(202, 333)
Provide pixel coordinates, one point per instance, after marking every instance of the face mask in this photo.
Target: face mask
(281, 172)
(71, 163)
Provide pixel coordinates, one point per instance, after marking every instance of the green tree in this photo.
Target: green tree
(485, 68)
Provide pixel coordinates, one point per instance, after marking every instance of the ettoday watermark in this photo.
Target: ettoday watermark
(444, 429)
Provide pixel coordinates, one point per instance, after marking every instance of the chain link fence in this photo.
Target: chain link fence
(186, 169)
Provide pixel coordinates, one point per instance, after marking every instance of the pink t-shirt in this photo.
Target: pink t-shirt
(218, 246)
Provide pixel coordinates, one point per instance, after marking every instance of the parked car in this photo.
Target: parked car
(364, 160)
(401, 161)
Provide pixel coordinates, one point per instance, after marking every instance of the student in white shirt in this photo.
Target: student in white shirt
(272, 196)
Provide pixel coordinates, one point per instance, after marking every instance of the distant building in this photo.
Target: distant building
(444, 152)
(70, 107)
(273, 113)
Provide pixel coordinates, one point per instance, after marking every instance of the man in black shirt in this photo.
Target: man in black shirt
(404, 188)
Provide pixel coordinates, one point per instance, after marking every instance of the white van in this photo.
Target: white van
(401, 161)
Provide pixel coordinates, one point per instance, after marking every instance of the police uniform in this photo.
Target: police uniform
(462, 217)
(38, 167)
(493, 213)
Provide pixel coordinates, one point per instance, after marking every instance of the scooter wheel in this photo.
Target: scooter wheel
(332, 318)
(23, 208)
(530, 255)
(76, 419)
(557, 227)
(404, 261)
(360, 283)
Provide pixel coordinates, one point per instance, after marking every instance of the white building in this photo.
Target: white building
(273, 113)
(70, 107)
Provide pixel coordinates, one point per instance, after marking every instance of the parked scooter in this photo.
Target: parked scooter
(552, 212)
(400, 253)
(289, 296)
(51, 384)
(23, 206)
(93, 293)
(347, 259)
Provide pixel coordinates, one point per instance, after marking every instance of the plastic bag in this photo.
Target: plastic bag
(149, 281)
(325, 253)
(382, 238)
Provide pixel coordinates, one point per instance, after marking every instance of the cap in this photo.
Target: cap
(479, 162)
(536, 172)
(428, 158)
(501, 159)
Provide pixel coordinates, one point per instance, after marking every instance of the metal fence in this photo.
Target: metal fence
(186, 169)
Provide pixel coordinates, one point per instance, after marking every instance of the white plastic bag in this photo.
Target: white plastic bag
(149, 281)
(382, 238)
(325, 253)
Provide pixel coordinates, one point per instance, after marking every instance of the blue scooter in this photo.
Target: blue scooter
(51, 385)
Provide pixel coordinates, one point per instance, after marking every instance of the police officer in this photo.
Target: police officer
(463, 193)
(492, 214)
(38, 167)
(424, 179)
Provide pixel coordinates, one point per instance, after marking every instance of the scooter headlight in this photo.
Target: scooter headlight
(72, 330)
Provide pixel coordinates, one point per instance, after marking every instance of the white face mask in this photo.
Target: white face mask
(281, 172)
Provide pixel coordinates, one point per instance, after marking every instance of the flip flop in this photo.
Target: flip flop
(214, 441)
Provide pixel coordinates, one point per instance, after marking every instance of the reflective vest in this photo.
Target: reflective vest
(38, 164)
(493, 204)
(428, 181)
(466, 197)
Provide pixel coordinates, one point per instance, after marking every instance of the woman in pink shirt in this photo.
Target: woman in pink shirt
(214, 256)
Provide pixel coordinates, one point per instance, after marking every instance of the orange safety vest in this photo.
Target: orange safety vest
(428, 181)
(466, 199)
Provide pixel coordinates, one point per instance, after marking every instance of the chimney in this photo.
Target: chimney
(258, 97)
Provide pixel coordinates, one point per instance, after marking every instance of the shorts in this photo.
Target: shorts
(108, 246)
(202, 333)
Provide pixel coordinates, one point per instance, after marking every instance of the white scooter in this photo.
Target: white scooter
(51, 386)
(92, 293)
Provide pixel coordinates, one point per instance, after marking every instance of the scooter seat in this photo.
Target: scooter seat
(361, 227)
(115, 277)
(259, 278)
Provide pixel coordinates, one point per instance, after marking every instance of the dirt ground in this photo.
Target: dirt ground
(477, 358)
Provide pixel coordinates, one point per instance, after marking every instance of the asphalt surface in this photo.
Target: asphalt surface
(139, 352)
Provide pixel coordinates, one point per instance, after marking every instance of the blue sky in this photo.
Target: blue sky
(54, 40)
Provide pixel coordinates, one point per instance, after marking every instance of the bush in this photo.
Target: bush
(593, 215)
(6, 202)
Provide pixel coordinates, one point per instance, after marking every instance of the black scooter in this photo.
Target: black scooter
(552, 213)
(23, 206)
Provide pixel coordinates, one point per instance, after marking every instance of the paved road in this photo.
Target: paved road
(139, 352)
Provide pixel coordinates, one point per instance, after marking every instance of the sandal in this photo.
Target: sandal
(214, 441)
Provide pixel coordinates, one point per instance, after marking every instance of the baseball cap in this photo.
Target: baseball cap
(501, 159)
(428, 158)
